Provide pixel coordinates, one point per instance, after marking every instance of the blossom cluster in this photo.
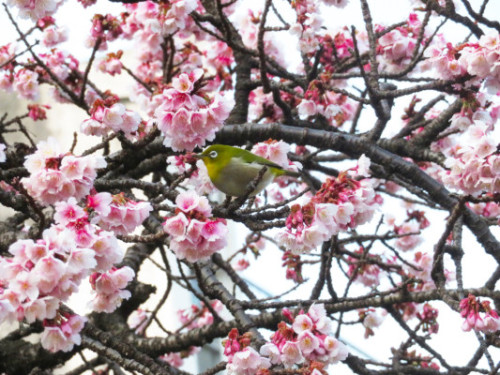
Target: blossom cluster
(187, 119)
(306, 343)
(363, 268)
(293, 265)
(37, 112)
(35, 9)
(276, 151)
(428, 318)
(262, 107)
(409, 231)
(307, 26)
(307, 340)
(335, 108)
(62, 333)
(26, 84)
(56, 177)
(52, 34)
(109, 288)
(25, 78)
(196, 316)
(488, 209)
(61, 64)
(341, 203)
(43, 273)
(193, 235)
(105, 118)
(150, 20)
(242, 358)
(396, 47)
(474, 166)
(104, 28)
(111, 64)
(117, 213)
(149, 24)
(481, 59)
(478, 59)
(479, 315)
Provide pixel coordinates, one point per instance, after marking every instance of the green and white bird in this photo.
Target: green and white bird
(232, 169)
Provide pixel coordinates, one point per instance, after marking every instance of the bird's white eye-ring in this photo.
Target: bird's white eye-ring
(213, 154)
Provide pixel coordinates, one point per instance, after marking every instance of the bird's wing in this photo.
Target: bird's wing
(259, 160)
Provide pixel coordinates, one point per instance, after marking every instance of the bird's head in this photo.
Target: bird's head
(216, 157)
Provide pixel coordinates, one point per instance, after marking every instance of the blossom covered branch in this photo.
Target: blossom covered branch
(388, 134)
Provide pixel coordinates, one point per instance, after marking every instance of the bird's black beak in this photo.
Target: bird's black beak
(198, 156)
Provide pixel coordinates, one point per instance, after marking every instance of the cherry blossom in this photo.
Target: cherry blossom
(247, 362)
(193, 235)
(43, 273)
(364, 268)
(196, 316)
(63, 334)
(35, 9)
(114, 117)
(234, 73)
(55, 176)
(109, 288)
(26, 84)
(54, 35)
(122, 215)
(478, 315)
(186, 119)
(307, 340)
(111, 64)
(339, 204)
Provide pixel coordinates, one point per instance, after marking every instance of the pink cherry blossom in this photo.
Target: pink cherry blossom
(35, 9)
(340, 203)
(54, 35)
(57, 177)
(276, 151)
(109, 288)
(336, 350)
(186, 119)
(193, 235)
(114, 117)
(291, 354)
(122, 215)
(63, 335)
(68, 211)
(271, 351)
(308, 342)
(26, 84)
(241, 265)
(111, 64)
(479, 315)
(408, 242)
(302, 323)
(40, 309)
(247, 362)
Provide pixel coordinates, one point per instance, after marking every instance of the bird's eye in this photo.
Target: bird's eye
(213, 154)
